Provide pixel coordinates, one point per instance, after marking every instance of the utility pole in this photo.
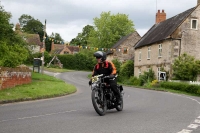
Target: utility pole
(43, 48)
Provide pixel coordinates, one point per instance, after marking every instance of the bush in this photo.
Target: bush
(136, 81)
(117, 64)
(155, 83)
(126, 70)
(181, 86)
(147, 77)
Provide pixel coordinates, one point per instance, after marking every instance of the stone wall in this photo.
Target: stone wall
(128, 45)
(11, 77)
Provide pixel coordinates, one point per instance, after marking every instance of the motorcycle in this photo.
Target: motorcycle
(103, 98)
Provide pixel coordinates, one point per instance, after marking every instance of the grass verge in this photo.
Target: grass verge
(42, 86)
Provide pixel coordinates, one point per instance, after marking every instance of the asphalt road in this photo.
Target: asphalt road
(145, 111)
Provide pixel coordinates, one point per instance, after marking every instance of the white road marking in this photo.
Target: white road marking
(37, 116)
(185, 131)
(193, 126)
(197, 121)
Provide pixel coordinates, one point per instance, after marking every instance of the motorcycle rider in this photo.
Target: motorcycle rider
(108, 69)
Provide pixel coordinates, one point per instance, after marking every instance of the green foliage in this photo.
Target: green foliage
(108, 29)
(5, 27)
(126, 70)
(31, 57)
(117, 64)
(48, 45)
(155, 83)
(132, 81)
(147, 77)
(15, 55)
(82, 38)
(42, 86)
(12, 48)
(56, 37)
(79, 61)
(181, 86)
(32, 26)
(186, 68)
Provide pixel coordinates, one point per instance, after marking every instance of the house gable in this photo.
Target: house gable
(164, 29)
(63, 49)
(166, 41)
(124, 49)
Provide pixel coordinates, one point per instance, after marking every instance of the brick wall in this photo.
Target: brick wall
(10, 77)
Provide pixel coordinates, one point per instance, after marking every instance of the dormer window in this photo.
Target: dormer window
(194, 24)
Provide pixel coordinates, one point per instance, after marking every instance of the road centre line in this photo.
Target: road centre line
(37, 116)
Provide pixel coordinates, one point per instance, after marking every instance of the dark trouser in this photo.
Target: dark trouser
(113, 86)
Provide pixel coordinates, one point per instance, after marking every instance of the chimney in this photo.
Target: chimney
(198, 2)
(161, 16)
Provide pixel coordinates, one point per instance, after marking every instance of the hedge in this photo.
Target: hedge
(185, 87)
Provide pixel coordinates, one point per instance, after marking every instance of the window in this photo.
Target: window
(140, 55)
(148, 69)
(194, 23)
(125, 51)
(160, 50)
(148, 53)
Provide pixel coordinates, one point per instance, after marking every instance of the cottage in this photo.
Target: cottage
(166, 40)
(124, 49)
(33, 40)
(63, 49)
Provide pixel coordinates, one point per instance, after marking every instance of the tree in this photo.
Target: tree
(30, 25)
(82, 38)
(56, 37)
(108, 29)
(185, 67)
(12, 47)
(5, 27)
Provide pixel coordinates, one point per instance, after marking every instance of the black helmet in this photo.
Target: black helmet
(100, 54)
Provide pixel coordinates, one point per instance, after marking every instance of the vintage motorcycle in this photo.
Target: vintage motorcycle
(103, 97)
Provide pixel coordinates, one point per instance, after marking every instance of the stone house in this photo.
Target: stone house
(166, 40)
(63, 49)
(124, 49)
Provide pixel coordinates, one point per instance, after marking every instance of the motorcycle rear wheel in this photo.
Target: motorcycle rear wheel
(100, 108)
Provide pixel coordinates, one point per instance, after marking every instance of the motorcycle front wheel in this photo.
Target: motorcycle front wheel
(99, 105)
(120, 106)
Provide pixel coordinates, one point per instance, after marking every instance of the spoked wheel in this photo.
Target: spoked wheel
(119, 107)
(99, 105)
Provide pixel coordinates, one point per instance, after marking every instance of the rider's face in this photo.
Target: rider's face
(98, 60)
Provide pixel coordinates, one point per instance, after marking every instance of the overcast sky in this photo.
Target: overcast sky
(68, 17)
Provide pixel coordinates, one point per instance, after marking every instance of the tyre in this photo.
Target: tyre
(120, 106)
(99, 106)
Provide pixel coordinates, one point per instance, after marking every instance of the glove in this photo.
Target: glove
(90, 82)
